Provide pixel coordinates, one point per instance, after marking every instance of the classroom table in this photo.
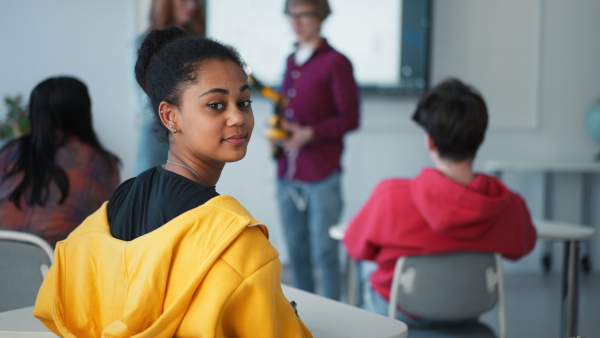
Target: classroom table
(570, 234)
(325, 318)
(22, 323)
(548, 169)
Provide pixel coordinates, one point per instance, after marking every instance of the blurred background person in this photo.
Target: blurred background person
(323, 107)
(448, 207)
(189, 16)
(58, 174)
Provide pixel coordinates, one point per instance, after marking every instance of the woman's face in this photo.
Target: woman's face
(184, 11)
(305, 22)
(215, 117)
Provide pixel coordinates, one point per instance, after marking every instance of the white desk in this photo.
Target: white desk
(325, 318)
(22, 323)
(570, 234)
(548, 168)
(554, 166)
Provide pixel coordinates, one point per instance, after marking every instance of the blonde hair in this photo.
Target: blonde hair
(322, 8)
(161, 16)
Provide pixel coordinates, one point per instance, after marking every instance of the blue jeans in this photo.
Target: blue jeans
(150, 152)
(307, 211)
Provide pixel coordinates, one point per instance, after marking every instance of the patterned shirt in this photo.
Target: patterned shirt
(91, 181)
(322, 94)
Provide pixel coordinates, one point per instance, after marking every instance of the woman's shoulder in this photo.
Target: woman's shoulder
(75, 153)
(9, 152)
(250, 251)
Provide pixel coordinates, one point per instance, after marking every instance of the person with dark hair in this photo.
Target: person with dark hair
(323, 107)
(189, 16)
(167, 256)
(54, 177)
(448, 208)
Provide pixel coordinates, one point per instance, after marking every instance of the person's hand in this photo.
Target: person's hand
(300, 137)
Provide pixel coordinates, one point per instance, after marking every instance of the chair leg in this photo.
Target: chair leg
(351, 281)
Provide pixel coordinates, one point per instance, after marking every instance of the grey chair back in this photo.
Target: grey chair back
(24, 262)
(449, 286)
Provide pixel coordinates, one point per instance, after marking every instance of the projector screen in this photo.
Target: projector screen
(387, 41)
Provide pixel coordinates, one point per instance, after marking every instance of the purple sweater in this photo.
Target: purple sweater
(322, 94)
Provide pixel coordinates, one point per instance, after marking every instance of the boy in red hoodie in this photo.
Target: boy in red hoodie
(444, 209)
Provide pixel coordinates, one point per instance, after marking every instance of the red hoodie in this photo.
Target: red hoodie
(431, 214)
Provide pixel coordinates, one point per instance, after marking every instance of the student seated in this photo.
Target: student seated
(447, 208)
(54, 177)
(167, 256)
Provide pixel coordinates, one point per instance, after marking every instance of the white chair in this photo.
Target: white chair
(450, 287)
(24, 262)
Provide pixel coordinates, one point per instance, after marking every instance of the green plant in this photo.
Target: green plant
(17, 119)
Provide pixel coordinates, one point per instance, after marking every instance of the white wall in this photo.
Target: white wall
(91, 40)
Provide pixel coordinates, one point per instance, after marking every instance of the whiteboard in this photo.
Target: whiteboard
(367, 32)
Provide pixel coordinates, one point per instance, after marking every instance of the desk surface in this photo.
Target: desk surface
(560, 231)
(554, 166)
(550, 230)
(325, 318)
(22, 323)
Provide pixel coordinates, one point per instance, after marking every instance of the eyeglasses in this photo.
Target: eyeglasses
(303, 16)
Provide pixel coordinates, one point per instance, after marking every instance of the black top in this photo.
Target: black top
(148, 201)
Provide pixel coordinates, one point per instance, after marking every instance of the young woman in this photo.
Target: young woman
(167, 256)
(189, 16)
(54, 177)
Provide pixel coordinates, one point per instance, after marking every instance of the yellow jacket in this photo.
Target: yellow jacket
(211, 272)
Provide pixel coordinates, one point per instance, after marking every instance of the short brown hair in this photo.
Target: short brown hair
(322, 8)
(455, 115)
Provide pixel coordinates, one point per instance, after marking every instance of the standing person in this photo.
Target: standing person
(448, 208)
(54, 177)
(323, 107)
(189, 16)
(167, 256)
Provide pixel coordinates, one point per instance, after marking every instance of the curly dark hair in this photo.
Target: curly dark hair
(167, 63)
(455, 116)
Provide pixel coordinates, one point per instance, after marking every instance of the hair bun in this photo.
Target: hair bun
(152, 45)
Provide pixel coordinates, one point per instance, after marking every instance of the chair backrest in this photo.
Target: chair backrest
(24, 262)
(449, 286)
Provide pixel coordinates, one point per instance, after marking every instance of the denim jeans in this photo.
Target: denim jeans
(307, 211)
(150, 152)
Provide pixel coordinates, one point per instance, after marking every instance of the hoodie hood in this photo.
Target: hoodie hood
(136, 288)
(459, 211)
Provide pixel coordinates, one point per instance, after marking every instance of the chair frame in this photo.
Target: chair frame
(25, 237)
(494, 279)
